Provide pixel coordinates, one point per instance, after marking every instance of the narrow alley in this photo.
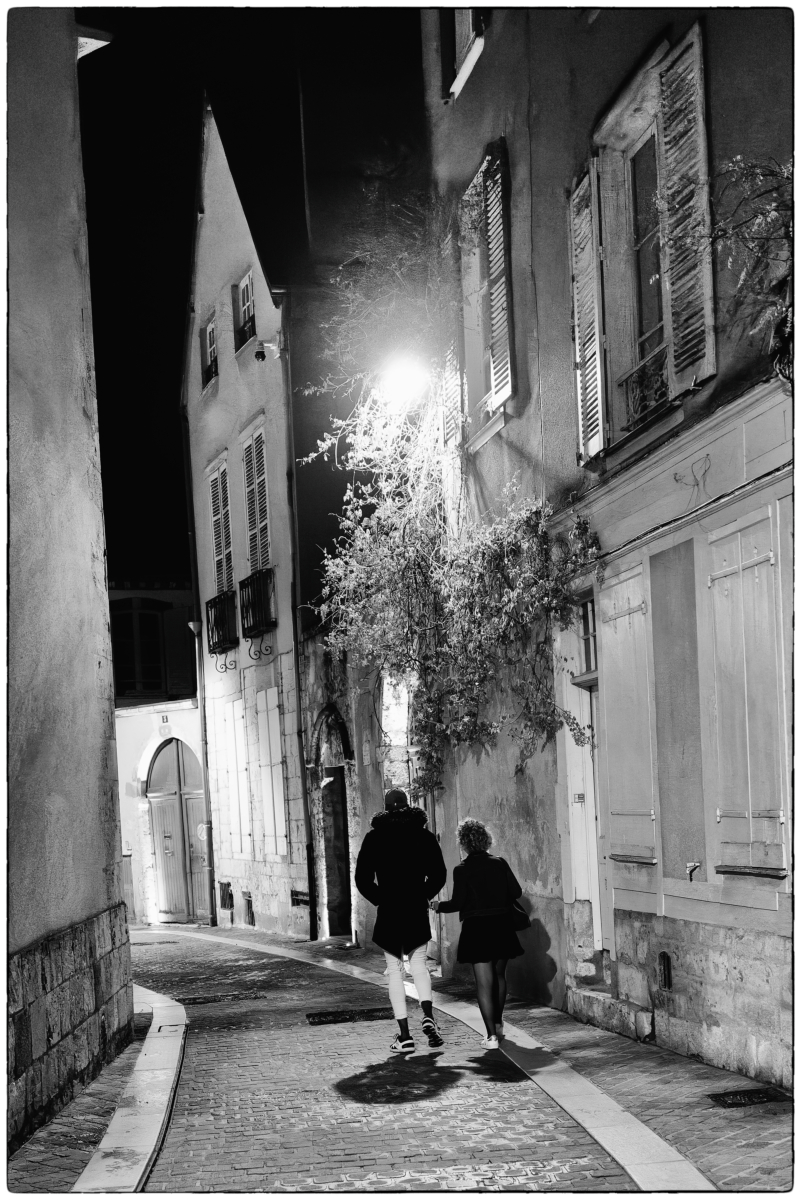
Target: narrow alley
(268, 1101)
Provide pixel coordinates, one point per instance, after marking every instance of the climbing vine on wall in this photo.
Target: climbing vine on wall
(459, 605)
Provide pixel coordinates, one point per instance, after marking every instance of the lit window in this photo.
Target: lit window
(461, 43)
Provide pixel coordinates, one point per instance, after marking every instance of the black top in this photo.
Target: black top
(483, 886)
(400, 868)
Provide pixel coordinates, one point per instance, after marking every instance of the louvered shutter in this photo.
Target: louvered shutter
(587, 313)
(452, 395)
(250, 506)
(228, 558)
(499, 281)
(217, 534)
(262, 515)
(221, 531)
(686, 224)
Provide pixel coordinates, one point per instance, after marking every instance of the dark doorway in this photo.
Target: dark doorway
(337, 851)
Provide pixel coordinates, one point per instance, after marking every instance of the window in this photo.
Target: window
(153, 650)
(485, 345)
(589, 657)
(221, 531)
(641, 264)
(256, 512)
(209, 353)
(461, 43)
(244, 313)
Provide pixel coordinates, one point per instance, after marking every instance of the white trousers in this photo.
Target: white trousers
(420, 975)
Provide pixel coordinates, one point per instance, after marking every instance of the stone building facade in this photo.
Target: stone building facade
(624, 389)
(235, 400)
(70, 1006)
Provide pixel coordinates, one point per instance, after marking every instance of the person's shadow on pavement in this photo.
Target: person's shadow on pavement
(420, 1077)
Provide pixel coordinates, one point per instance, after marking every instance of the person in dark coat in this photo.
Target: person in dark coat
(484, 888)
(399, 869)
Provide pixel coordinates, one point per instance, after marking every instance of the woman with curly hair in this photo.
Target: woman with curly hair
(484, 888)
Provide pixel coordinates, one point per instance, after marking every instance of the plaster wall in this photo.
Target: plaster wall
(246, 395)
(543, 80)
(63, 819)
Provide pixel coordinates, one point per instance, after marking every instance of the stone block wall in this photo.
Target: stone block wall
(70, 1010)
(730, 1002)
(583, 963)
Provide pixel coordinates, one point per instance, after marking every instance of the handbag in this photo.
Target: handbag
(520, 918)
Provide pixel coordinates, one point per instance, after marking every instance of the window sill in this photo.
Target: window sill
(471, 58)
(244, 346)
(588, 680)
(759, 872)
(647, 435)
(208, 386)
(638, 859)
(483, 435)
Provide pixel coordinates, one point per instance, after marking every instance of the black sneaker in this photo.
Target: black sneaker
(431, 1030)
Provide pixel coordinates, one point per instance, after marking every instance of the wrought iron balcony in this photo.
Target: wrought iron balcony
(245, 332)
(257, 599)
(646, 388)
(221, 622)
(210, 372)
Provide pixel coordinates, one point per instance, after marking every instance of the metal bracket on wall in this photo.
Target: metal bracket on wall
(625, 612)
(226, 665)
(262, 650)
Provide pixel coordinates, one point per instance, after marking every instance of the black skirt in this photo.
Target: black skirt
(486, 939)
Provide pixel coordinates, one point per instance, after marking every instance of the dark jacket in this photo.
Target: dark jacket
(483, 886)
(399, 869)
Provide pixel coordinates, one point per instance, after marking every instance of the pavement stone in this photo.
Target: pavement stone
(268, 1102)
(55, 1156)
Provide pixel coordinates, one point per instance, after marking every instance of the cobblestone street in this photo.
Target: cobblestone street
(269, 1102)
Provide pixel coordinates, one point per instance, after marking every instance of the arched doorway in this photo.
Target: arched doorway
(177, 821)
(332, 750)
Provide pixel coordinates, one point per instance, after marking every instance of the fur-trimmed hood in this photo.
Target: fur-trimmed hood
(400, 819)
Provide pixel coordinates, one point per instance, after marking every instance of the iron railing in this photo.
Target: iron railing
(257, 602)
(210, 372)
(221, 622)
(646, 388)
(245, 332)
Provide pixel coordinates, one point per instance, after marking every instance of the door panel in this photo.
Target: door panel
(168, 845)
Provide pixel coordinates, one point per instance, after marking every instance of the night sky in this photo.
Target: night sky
(141, 105)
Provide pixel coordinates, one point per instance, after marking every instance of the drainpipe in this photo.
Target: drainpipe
(292, 500)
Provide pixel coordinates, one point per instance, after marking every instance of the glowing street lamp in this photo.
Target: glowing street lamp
(403, 381)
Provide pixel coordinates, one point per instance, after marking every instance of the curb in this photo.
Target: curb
(651, 1162)
(125, 1156)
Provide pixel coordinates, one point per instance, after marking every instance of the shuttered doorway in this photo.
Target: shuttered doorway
(175, 795)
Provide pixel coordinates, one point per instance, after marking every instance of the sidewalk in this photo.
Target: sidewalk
(745, 1149)
(53, 1159)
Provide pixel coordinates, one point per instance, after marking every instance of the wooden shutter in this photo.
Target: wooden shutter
(221, 531)
(625, 691)
(233, 779)
(256, 512)
(685, 221)
(499, 276)
(747, 714)
(272, 771)
(452, 395)
(587, 313)
(262, 514)
(246, 298)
